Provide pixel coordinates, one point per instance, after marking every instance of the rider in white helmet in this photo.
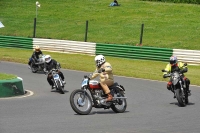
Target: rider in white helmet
(106, 76)
(49, 65)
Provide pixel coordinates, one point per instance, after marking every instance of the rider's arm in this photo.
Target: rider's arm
(183, 69)
(45, 68)
(107, 67)
(41, 52)
(95, 74)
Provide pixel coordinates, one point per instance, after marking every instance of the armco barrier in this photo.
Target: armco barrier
(115, 50)
(13, 87)
(134, 52)
(189, 56)
(65, 46)
(16, 42)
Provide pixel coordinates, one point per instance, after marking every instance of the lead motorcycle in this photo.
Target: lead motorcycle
(177, 87)
(38, 65)
(82, 101)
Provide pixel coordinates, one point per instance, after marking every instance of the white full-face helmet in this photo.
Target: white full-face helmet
(47, 58)
(99, 60)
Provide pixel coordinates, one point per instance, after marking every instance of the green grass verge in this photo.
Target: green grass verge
(167, 25)
(121, 67)
(4, 76)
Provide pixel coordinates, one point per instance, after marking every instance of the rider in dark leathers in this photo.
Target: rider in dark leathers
(35, 56)
(48, 66)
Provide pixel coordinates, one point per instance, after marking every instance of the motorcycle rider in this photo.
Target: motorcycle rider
(35, 55)
(106, 76)
(174, 65)
(48, 66)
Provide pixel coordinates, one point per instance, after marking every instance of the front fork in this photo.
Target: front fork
(82, 95)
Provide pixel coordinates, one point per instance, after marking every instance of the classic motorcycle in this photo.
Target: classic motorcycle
(57, 81)
(82, 102)
(177, 88)
(37, 65)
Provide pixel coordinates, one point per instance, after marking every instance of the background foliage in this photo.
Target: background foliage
(167, 25)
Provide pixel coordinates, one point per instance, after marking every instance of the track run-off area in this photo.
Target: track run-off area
(151, 108)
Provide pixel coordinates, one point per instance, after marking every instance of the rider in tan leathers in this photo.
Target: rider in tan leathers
(106, 76)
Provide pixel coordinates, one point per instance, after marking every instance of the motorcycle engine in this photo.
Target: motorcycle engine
(98, 94)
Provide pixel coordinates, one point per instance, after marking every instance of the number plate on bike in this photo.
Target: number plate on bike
(85, 81)
(55, 76)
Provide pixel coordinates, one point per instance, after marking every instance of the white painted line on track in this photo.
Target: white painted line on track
(28, 91)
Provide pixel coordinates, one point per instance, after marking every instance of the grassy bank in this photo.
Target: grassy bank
(166, 25)
(4, 76)
(122, 67)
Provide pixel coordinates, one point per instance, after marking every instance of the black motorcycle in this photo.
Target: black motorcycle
(82, 102)
(57, 81)
(38, 65)
(177, 88)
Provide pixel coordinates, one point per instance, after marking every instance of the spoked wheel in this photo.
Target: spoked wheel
(120, 105)
(33, 68)
(180, 97)
(81, 102)
(60, 88)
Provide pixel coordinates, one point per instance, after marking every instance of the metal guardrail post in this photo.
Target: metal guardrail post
(86, 31)
(141, 35)
(34, 30)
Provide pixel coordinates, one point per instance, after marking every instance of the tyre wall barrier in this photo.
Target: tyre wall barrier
(13, 87)
(16, 42)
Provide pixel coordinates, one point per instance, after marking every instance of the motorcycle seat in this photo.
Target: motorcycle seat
(113, 86)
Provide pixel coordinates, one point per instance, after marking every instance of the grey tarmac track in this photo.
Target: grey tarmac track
(151, 108)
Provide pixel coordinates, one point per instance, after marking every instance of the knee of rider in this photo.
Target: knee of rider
(102, 83)
(169, 83)
(187, 81)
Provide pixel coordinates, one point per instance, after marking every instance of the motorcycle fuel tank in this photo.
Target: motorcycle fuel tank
(94, 84)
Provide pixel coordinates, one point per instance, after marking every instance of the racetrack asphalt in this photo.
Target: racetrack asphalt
(151, 107)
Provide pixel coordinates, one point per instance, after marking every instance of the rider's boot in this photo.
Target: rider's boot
(184, 84)
(63, 81)
(53, 86)
(189, 91)
(109, 98)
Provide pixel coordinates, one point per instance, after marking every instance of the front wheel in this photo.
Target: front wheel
(60, 88)
(120, 105)
(180, 97)
(81, 102)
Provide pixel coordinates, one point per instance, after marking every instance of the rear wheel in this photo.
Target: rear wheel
(180, 97)
(120, 105)
(81, 102)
